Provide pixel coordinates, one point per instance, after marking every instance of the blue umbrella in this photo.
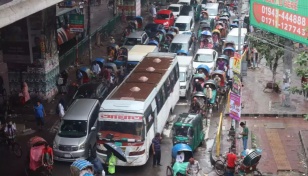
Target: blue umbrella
(229, 48)
(101, 60)
(203, 66)
(117, 151)
(180, 147)
(182, 52)
(81, 164)
(84, 69)
(206, 33)
(153, 42)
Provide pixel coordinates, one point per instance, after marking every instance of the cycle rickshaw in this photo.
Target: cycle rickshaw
(179, 168)
(247, 165)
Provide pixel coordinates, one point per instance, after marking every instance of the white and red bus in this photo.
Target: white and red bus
(139, 107)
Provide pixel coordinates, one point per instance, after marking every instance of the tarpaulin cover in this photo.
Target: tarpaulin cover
(35, 157)
(179, 168)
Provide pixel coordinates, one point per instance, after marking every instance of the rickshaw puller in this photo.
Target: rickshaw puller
(195, 106)
(231, 162)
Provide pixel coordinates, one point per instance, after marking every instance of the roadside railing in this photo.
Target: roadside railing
(70, 56)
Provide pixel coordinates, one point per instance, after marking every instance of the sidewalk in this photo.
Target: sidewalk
(256, 102)
(279, 140)
(24, 116)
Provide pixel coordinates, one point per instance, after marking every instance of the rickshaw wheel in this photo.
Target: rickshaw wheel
(220, 168)
(169, 171)
(257, 173)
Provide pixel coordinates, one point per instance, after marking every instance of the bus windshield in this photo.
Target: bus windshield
(118, 131)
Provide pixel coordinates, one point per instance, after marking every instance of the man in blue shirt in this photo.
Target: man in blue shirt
(39, 114)
(156, 150)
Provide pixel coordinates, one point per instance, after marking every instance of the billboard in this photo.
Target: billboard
(235, 106)
(287, 18)
(76, 23)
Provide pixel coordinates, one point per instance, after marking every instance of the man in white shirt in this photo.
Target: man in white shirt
(180, 157)
(96, 69)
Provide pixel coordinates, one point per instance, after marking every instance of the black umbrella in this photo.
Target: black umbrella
(117, 151)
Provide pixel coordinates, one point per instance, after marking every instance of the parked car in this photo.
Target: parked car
(92, 90)
(136, 38)
(206, 57)
(165, 17)
(175, 8)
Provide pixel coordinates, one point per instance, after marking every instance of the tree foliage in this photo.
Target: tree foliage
(271, 52)
(302, 71)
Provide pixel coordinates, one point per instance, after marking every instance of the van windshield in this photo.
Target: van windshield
(235, 39)
(212, 12)
(182, 26)
(175, 47)
(132, 41)
(182, 76)
(174, 9)
(118, 131)
(204, 58)
(73, 128)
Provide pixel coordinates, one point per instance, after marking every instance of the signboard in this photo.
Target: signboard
(287, 18)
(236, 63)
(120, 117)
(76, 23)
(237, 85)
(235, 106)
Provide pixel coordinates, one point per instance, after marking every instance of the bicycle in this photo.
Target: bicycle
(13, 145)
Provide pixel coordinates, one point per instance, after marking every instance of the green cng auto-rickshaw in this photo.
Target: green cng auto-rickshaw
(188, 129)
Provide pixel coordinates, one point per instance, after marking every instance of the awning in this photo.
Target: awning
(19, 9)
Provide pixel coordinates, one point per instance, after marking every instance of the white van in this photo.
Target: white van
(185, 24)
(186, 72)
(212, 9)
(233, 36)
(184, 2)
(137, 53)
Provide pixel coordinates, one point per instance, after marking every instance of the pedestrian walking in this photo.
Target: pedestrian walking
(61, 109)
(25, 93)
(156, 150)
(244, 134)
(39, 114)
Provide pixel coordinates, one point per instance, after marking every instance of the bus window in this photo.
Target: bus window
(172, 78)
(167, 87)
(159, 100)
(177, 72)
(149, 116)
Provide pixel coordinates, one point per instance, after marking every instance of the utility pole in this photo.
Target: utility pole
(89, 31)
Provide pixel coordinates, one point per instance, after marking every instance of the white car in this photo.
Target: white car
(205, 57)
(175, 8)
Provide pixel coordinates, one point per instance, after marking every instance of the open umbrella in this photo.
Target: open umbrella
(206, 33)
(117, 151)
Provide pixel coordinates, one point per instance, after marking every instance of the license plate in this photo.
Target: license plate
(67, 155)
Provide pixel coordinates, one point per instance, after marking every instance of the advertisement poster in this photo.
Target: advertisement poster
(237, 85)
(237, 63)
(235, 106)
